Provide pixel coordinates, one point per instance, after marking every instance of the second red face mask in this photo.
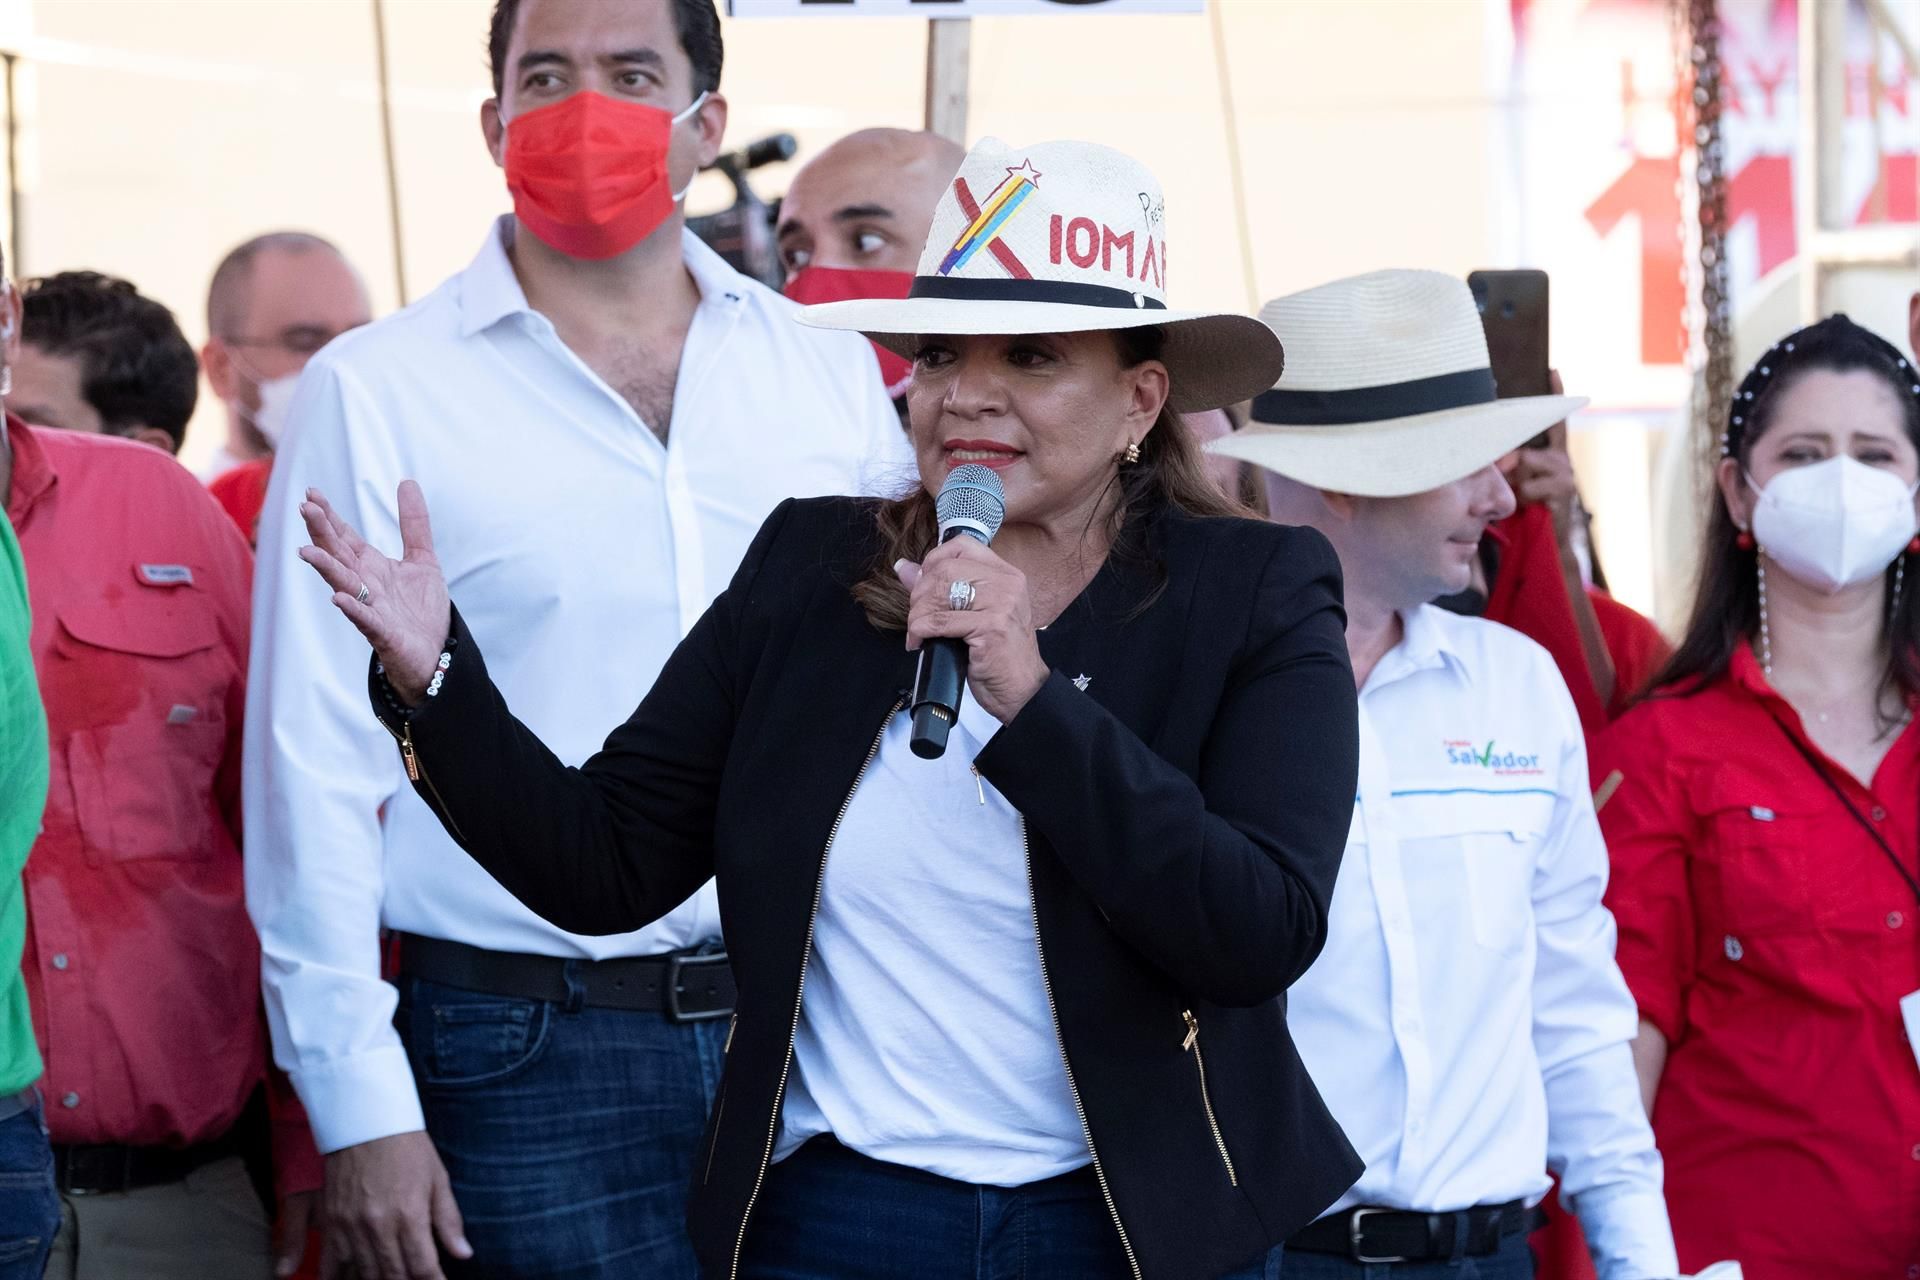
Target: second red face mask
(809, 285)
(589, 174)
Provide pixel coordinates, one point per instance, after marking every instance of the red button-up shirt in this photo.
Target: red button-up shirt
(1770, 939)
(142, 968)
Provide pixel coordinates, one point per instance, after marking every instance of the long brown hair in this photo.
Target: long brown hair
(1170, 475)
(1726, 609)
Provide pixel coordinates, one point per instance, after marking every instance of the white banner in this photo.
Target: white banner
(948, 8)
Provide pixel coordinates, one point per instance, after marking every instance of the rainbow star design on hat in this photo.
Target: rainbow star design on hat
(986, 226)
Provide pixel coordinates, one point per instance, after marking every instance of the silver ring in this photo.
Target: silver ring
(362, 595)
(960, 595)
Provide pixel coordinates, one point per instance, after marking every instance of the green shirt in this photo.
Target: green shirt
(23, 794)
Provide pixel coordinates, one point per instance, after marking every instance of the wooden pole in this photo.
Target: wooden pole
(949, 46)
(1234, 171)
(386, 146)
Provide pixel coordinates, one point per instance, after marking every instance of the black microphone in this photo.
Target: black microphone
(768, 150)
(971, 502)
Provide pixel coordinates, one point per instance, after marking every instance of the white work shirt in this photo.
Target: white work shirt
(925, 1037)
(580, 550)
(1466, 1023)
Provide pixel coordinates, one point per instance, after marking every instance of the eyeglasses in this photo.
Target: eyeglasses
(299, 339)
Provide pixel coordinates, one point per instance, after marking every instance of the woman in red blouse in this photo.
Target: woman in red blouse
(1763, 811)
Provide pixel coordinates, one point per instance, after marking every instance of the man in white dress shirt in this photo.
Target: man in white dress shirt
(1466, 1022)
(602, 413)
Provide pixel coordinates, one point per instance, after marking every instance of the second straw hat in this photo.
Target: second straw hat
(1388, 389)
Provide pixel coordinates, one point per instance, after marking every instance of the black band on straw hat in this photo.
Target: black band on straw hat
(1069, 292)
(1375, 404)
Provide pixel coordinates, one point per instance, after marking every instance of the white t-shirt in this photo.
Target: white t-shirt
(925, 1038)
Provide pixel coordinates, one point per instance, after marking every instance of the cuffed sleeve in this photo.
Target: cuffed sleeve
(1627, 1233)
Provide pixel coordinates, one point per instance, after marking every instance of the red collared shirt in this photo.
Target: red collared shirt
(1770, 939)
(142, 968)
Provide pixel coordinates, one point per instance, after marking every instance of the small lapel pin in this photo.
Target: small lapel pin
(1081, 682)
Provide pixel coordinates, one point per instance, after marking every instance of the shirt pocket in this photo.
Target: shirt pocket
(1487, 842)
(1764, 864)
(147, 730)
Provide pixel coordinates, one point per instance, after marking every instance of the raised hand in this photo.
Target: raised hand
(400, 606)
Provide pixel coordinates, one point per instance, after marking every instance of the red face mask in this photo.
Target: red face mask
(809, 285)
(589, 174)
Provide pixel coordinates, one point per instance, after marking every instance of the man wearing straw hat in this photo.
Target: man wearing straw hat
(1466, 1023)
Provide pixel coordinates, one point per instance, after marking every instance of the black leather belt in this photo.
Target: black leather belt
(102, 1168)
(1394, 1235)
(686, 986)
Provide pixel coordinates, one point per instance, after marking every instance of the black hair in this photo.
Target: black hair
(696, 22)
(1726, 609)
(136, 368)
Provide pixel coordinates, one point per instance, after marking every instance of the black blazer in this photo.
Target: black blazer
(1186, 814)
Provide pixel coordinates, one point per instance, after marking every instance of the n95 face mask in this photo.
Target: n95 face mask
(1835, 523)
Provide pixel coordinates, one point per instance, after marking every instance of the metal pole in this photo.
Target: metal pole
(386, 143)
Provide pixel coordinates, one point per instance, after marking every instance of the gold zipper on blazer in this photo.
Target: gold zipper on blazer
(416, 772)
(806, 955)
(1192, 1044)
(1046, 982)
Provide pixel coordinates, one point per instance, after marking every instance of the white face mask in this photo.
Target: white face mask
(276, 395)
(1834, 523)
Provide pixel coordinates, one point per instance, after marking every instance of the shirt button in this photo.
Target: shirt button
(1895, 919)
(1734, 949)
(1913, 1272)
(60, 962)
(72, 1100)
(1879, 814)
(1916, 1146)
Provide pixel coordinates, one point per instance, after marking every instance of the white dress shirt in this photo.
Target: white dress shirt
(925, 1038)
(1466, 1023)
(580, 550)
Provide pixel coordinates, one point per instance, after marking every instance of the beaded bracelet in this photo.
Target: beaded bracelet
(440, 674)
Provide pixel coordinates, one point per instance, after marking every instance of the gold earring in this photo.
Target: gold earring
(1132, 455)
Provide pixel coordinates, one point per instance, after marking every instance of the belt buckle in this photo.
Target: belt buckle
(1353, 1237)
(677, 964)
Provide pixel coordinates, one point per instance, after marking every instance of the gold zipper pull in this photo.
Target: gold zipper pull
(978, 785)
(1193, 1030)
(732, 1022)
(407, 754)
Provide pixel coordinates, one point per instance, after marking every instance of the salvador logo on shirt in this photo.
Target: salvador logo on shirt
(1492, 759)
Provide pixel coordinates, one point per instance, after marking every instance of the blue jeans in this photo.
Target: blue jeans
(827, 1213)
(1513, 1261)
(29, 1208)
(569, 1133)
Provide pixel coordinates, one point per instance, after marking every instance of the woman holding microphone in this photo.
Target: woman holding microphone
(1018, 1010)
